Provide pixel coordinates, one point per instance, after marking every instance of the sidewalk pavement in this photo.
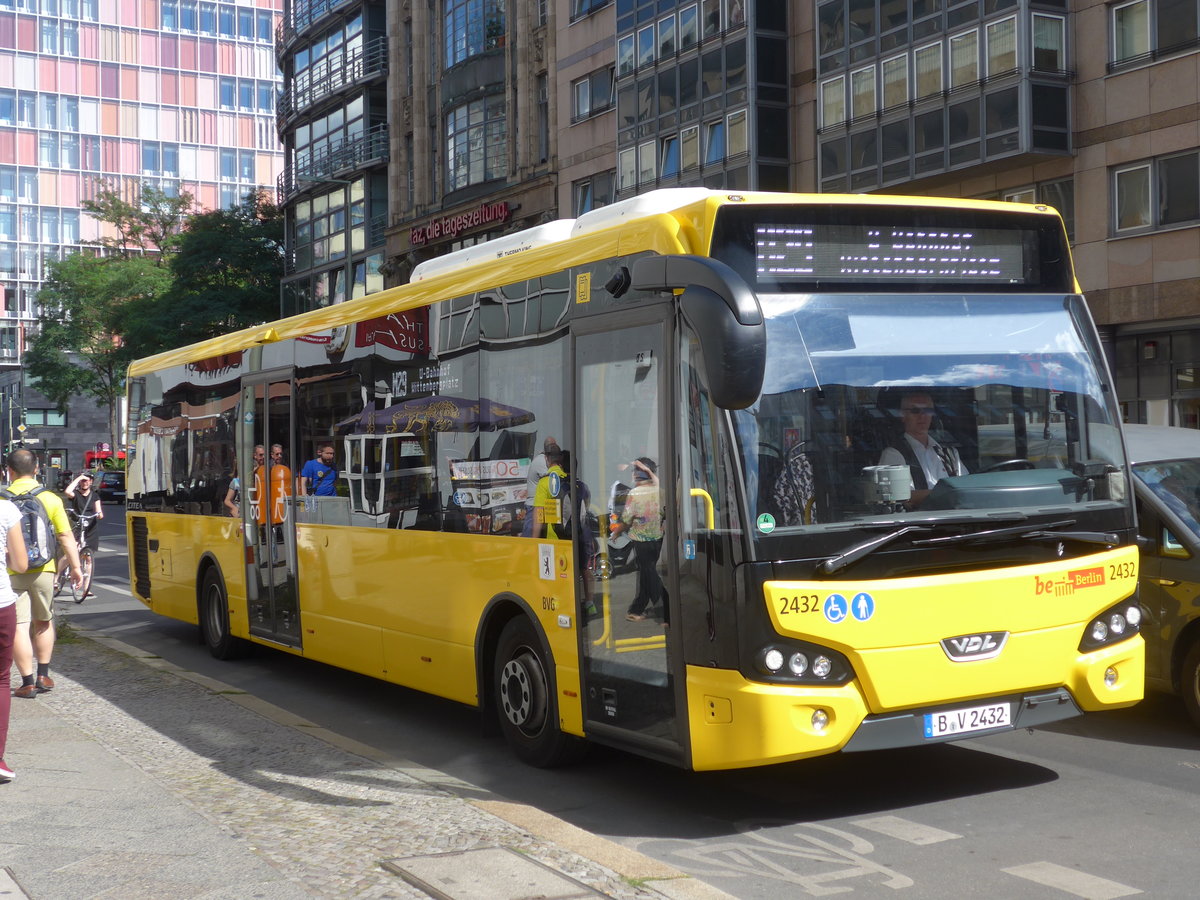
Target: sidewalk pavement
(138, 779)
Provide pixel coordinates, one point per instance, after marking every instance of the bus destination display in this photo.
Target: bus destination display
(837, 252)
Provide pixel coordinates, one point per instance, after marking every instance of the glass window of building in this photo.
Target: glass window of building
(738, 138)
(1001, 46)
(862, 93)
(1049, 43)
(626, 169)
(625, 58)
(831, 26)
(1178, 189)
(1175, 24)
(1132, 201)
(594, 93)
(669, 164)
(594, 192)
(714, 142)
(473, 27)
(666, 37)
(645, 46)
(964, 59)
(476, 142)
(688, 28)
(928, 62)
(689, 147)
(833, 102)
(646, 162)
(1131, 30)
(895, 81)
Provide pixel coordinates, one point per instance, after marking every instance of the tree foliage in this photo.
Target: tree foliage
(151, 226)
(169, 277)
(227, 269)
(86, 303)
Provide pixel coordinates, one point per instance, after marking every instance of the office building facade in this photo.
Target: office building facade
(504, 115)
(1091, 107)
(114, 94)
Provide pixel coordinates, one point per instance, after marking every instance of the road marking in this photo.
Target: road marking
(904, 830)
(1081, 884)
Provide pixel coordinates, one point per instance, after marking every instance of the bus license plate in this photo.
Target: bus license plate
(962, 721)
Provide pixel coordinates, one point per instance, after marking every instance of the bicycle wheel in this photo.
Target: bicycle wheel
(85, 564)
(61, 573)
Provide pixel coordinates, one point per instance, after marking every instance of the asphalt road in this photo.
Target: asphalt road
(1098, 807)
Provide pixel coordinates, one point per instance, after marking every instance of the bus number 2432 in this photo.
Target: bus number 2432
(801, 603)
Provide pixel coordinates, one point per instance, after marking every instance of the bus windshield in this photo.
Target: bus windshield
(903, 405)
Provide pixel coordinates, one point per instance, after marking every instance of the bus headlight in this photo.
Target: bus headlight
(1117, 623)
(797, 662)
(773, 659)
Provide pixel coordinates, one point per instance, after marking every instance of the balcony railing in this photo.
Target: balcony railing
(304, 16)
(334, 164)
(332, 75)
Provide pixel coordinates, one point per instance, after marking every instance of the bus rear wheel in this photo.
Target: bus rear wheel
(214, 619)
(525, 703)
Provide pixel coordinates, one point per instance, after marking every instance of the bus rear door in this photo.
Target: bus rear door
(268, 491)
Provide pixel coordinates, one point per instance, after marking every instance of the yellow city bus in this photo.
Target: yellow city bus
(640, 478)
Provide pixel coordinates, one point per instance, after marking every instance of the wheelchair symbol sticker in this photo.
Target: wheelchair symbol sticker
(835, 608)
(862, 606)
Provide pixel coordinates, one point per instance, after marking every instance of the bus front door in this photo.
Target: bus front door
(624, 578)
(265, 466)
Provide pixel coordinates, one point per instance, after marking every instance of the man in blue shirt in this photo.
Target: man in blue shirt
(319, 476)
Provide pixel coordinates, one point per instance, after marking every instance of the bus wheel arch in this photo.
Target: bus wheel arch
(518, 689)
(212, 610)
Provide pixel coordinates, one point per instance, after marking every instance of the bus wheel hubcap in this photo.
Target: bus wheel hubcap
(523, 692)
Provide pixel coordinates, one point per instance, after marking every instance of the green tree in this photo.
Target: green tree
(86, 303)
(227, 266)
(150, 226)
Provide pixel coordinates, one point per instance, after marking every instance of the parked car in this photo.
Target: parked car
(1166, 468)
(112, 486)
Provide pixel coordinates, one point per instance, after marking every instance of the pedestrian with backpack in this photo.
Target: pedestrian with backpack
(45, 525)
(12, 546)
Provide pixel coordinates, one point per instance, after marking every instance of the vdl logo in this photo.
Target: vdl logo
(970, 647)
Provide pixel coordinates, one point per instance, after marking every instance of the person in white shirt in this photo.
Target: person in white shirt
(12, 552)
(928, 460)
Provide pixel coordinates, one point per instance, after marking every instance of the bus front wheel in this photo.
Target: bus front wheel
(214, 619)
(525, 702)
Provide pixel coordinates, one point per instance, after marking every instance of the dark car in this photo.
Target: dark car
(1166, 469)
(111, 486)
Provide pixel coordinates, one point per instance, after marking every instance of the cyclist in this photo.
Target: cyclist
(84, 500)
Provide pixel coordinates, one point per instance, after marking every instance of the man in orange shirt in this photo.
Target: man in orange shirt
(270, 500)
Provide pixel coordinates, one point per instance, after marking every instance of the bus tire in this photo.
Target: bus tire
(214, 618)
(1189, 681)
(525, 703)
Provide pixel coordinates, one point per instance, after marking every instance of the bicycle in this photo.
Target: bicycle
(80, 525)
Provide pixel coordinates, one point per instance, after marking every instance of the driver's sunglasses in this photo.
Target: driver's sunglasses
(919, 410)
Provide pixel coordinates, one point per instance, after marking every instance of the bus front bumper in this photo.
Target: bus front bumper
(736, 723)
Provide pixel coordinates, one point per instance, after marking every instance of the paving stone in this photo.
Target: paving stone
(143, 783)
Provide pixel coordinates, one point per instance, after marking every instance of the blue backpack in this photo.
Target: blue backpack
(41, 542)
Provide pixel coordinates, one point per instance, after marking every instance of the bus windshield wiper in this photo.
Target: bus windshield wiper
(857, 551)
(1044, 532)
